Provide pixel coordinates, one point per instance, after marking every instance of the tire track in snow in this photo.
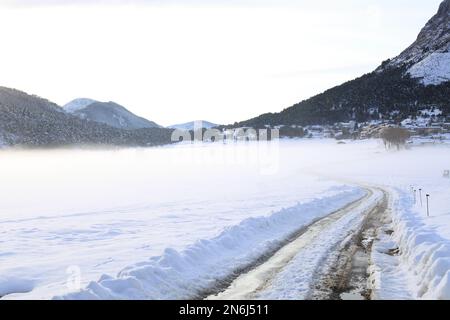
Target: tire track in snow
(316, 242)
(348, 277)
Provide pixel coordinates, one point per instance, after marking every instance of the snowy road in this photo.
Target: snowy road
(294, 270)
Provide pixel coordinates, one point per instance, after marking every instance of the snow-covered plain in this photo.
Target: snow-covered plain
(126, 223)
(70, 216)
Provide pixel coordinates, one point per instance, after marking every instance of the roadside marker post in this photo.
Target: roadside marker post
(428, 206)
(420, 193)
(415, 196)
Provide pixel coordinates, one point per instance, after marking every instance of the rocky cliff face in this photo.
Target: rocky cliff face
(433, 38)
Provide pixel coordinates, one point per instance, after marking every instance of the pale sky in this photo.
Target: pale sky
(180, 60)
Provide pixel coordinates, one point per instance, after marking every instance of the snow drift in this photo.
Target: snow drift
(14, 285)
(415, 262)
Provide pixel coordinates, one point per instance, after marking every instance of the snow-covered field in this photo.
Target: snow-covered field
(168, 222)
(77, 215)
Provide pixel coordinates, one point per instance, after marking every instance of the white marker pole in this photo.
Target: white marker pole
(420, 192)
(428, 206)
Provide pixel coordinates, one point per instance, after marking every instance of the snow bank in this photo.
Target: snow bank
(182, 275)
(10, 285)
(420, 268)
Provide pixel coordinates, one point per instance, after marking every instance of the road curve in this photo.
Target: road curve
(320, 236)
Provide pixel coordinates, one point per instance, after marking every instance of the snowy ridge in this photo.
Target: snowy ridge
(114, 115)
(428, 58)
(185, 274)
(109, 113)
(77, 104)
(433, 70)
(421, 270)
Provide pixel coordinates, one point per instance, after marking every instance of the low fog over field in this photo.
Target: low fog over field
(70, 216)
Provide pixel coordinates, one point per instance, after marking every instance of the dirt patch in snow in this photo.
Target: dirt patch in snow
(347, 279)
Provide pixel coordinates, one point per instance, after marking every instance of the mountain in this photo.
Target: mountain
(77, 104)
(428, 58)
(190, 125)
(109, 113)
(417, 79)
(33, 121)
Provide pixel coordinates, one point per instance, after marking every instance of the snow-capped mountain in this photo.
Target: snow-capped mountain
(190, 125)
(417, 79)
(428, 58)
(109, 113)
(78, 104)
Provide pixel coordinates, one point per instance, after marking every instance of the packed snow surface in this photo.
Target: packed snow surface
(297, 279)
(292, 271)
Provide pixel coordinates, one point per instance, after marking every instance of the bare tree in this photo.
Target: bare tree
(394, 136)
